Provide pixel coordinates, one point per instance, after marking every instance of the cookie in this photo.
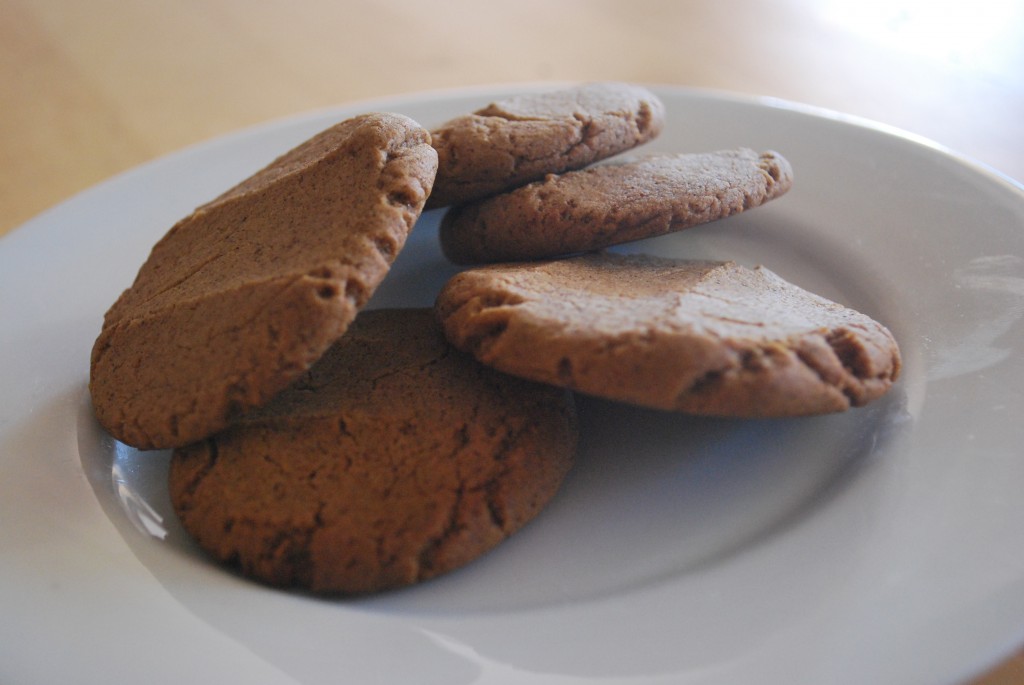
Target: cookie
(240, 297)
(614, 203)
(709, 338)
(520, 139)
(394, 459)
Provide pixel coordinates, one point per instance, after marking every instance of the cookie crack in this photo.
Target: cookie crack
(644, 119)
(849, 351)
(425, 559)
(489, 489)
(857, 374)
(494, 112)
(212, 454)
(821, 370)
(282, 285)
(157, 294)
(288, 551)
(749, 358)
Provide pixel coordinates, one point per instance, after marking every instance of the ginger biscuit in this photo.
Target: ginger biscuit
(609, 204)
(392, 460)
(243, 295)
(520, 139)
(708, 338)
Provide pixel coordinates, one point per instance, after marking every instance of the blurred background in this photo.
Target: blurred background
(94, 87)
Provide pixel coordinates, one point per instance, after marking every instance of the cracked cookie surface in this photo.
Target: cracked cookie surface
(610, 204)
(241, 296)
(520, 139)
(392, 460)
(709, 338)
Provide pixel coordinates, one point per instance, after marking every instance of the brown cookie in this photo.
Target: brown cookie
(518, 140)
(709, 338)
(610, 204)
(395, 459)
(240, 297)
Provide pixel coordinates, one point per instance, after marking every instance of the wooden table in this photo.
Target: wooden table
(94, 87)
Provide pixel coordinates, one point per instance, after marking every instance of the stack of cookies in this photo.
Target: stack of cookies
(321, 446)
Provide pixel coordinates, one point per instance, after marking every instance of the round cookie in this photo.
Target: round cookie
(520, 139)
(610, 204)
(709, 338)
(240, 297)
(394, 459)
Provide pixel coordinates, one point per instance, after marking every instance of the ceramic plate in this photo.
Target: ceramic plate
(885, 544)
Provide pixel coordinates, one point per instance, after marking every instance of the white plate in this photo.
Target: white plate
(882, 545)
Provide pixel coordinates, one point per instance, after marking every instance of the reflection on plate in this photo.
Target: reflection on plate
(879, 545)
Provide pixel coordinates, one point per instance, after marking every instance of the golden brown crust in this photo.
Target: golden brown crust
(709, 338)
(518, 140)
(611, 204)
(394, 459)
(240, 297)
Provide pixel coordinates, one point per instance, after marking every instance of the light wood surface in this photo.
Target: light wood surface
(93, 87)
